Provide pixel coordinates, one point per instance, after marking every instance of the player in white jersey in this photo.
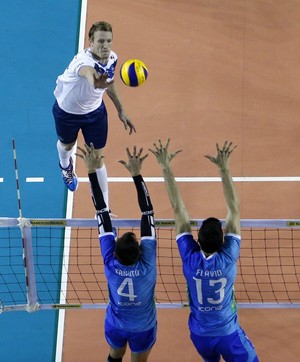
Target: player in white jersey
(130, 267)
(209, 266)
(79, 103)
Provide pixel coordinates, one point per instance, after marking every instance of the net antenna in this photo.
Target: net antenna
(24, 224)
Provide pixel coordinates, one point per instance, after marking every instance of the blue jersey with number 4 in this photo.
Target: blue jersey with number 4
(210, 285)
(131, 288)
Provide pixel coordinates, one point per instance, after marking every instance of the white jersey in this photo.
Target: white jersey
(73, 93)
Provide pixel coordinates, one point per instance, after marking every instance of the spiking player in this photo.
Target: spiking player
(130, 267)
(209, 266)
(79, 103)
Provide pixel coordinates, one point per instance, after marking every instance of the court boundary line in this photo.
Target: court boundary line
(195, 179)
(205, 179)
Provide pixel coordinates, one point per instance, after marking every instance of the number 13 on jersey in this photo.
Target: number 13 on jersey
(218, 290)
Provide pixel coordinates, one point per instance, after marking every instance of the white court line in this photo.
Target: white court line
(204, 179)
(183, 179)
(29, 179)
(35, 179)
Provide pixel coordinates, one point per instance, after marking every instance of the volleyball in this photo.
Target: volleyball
(133, 72)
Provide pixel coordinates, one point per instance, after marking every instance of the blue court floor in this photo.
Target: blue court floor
(38, 39)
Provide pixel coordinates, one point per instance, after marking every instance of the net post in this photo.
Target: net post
(28, 261)
(32, 303)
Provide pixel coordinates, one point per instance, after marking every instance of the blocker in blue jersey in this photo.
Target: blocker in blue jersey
(209, 266)
(129, 265)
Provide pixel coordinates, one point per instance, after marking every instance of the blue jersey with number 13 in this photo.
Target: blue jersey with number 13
(210, 285)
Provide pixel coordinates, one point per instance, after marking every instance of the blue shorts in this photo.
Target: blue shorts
(138, 342)
(235, 347)
(93, 125)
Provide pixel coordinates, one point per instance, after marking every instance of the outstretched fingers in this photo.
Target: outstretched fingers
(145, 156)
(140, 152)
(81, 155)
(222, 153)
(122, 162)
(161, 152)
(135, 155)
(231, 148)
(160, 147)
(228, 148)
(85, 151)
(172, 155)
(211, 158)
(128, 153)
(155, 150)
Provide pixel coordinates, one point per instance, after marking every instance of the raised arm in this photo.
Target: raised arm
(95, 80)
(134, 165)
(164, 158)
(232, 224)
(91, 159)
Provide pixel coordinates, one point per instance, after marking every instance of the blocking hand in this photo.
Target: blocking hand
(135, 160)
(162, 154)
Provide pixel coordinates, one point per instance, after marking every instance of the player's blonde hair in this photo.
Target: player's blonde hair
(99, 26)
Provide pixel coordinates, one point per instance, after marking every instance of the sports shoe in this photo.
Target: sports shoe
(115, 232)
(69, 176)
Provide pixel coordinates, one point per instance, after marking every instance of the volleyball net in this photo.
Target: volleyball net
(57, 264)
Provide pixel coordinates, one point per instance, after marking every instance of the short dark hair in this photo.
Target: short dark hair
(210, 236)
(127, 249)
(99, 26)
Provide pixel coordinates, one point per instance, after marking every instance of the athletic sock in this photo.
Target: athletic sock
(111, 359)
(102, 179)
(64, 156)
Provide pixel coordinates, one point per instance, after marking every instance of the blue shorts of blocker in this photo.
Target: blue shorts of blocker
(138, 342)
(235, 347)
(93, 125)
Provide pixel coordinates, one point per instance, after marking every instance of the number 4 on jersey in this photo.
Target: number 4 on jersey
(127, 284)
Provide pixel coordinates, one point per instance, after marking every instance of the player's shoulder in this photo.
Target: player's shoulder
(148, 243)
(187, 245)
(83, 56)
(107, 241)
(232, 236)
(231, 241)
(184, 236)
(231, 246)
(107, 236)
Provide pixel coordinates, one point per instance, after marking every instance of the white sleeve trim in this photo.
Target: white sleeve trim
(180, 235)
(235, 235)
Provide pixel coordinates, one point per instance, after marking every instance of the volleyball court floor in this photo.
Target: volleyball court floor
(217, 71)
